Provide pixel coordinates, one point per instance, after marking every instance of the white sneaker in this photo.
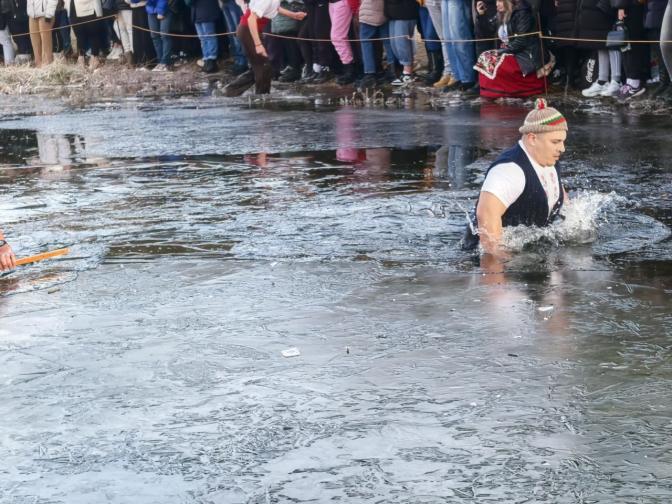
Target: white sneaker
(611, 89)
(115, 53)
(404, 80)
(200, 63)
(595, 89)
(159, 68)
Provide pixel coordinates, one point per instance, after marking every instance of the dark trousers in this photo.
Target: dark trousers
(283, 52)
(317, 25)
(260, 65)
(88, 34)
(143, 48)
(637, 60)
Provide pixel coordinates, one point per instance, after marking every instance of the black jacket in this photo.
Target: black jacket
(205, 11)
(585, 19)
(401, 9)
(526, 49)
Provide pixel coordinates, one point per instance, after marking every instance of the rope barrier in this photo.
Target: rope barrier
(290, 37)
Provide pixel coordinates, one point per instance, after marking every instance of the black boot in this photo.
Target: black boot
(348, 75)
(435, 67)
(210, 66)
(389, 75)
(290, 74)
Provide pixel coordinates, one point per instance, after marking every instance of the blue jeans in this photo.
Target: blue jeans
(232, 15)
(368, 53)
(403, 47)
(428, 31)
(208, 41)
(163, 44)
(457, 25)
(62, 20)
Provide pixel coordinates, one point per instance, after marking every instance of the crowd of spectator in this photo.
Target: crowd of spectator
(495, 48)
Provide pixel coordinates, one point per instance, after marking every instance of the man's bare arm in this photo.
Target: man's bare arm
(489, 214)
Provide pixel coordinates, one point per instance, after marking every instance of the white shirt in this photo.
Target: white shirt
(265, 8)
(507, 181)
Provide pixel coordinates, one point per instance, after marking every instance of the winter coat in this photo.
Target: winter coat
(401, 9)
(7, 7)
(158, 7)
(205, 11)
(282, 24)
(655, 9)
(372, 12)
(85, 8)
(584, 19)
(527, 50)
(41, 8)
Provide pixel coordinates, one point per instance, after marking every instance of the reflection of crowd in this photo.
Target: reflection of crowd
(370, 42)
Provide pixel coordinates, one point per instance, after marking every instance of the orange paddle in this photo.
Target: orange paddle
(42, 257)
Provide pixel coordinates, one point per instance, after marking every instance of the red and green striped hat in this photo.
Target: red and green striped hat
(543, 119)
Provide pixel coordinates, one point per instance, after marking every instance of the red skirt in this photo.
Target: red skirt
(510, 83)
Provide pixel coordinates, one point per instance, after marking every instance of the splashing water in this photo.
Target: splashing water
(601, 219)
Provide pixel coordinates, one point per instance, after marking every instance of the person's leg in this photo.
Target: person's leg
(121, 28)
(127, 16)
(7, 46)
(341, 17)
(292, 52)
(47, 41)
(35, 40)
(616, 64)
(437, 21)
(603, 66)
(63, 22)
(93, 29)
(367, 32)
(459, 25)
(305, 36)
(322, 29)
(429, 32)
(447, 35)
(166, 39)
(402, 47)
(208, 41)
(260, 65)
(232, 15)
(636, 61)
(666, 34)
(384, 33)
(155, 27)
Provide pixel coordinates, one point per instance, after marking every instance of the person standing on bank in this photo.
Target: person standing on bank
(7, 258)
(523, 185)
(257, 16)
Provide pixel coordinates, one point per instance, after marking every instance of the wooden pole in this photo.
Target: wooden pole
(42, 257)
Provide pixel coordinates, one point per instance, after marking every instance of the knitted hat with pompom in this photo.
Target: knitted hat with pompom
(543, 119)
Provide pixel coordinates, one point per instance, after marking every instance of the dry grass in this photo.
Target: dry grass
(23, 79)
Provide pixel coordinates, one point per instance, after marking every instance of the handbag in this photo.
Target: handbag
(616, 38)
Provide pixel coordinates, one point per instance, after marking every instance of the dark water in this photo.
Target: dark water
(207, 238)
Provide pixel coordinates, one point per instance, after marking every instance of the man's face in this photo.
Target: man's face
(547, 147)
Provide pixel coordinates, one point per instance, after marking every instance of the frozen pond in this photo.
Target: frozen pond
(207, 238)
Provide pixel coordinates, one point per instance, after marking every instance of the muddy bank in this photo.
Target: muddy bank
(79, 86)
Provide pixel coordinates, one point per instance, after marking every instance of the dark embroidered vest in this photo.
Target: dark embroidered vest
(531, 207)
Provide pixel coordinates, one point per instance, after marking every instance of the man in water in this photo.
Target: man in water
(7, 259)
(522, 186)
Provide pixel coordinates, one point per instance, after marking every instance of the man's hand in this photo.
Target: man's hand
(480, 8)
(159, 17)
(261, 50)
(299, 16)
(621, 14)
(7, 258)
